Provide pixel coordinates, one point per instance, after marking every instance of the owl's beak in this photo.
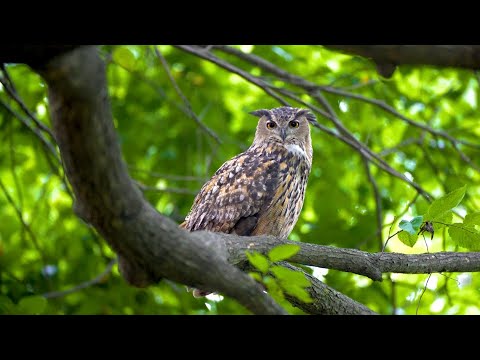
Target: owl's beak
(283, 134)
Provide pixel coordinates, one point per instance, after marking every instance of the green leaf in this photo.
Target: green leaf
(256, 276)
(259, 261)
(283, 252)
(472, 219)
(285, 275)
(446, 203)
(299, 292)
(412, 226)
(292, 282)
(417, 222)
(124, 57)
(465, 235)
(274, 288)
(32, 305)
(407, 226)
(445, 218)
(408, 239)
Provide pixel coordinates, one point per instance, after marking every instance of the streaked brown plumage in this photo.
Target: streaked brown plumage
(260, 191)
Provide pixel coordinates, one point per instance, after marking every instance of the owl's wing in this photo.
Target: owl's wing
(232, 199)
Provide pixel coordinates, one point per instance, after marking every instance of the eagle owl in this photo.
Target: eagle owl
(260, 191)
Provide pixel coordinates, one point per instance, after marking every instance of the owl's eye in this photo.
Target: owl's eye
(294, 124)
(271, 125)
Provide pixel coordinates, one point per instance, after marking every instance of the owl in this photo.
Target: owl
(260, 191)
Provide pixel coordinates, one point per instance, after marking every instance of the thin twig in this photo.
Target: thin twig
(360, 85)
(423, 292)
(167, 176)
(395, 113)
(10, 88)
(404, 143)
(315, 89)
(378, 201)
(145, 188)
(227, 66)
(23, 222)
(268, 66)
(361, 148)
(464, 157)
(312, 89)
(425, 241)
(405, 210)
(35, 130)
(398, 217)
(187, 104)
(393, 295)
(157, 88)
(389, 237)
(12, 168)
(98, 279)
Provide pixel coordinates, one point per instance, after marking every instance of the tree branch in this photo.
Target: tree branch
(203, 53)
(12, 92)
(378, 202)
(150, 246)
(372, 265)
(313, 90)
(463, 56)
(326, 300)
(45, 142)
(34, 55)
(98, 279)
(179, 92)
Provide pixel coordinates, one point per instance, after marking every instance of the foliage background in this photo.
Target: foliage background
(45, 248)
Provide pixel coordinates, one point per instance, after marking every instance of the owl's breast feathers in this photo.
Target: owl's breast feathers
(258, 192)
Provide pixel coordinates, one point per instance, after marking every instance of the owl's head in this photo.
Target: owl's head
(285, 124)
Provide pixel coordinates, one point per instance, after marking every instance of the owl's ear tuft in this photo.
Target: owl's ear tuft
(311, 118)
(260, 113)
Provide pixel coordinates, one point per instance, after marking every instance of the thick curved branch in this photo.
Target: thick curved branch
(385, 56)
(149, 245)
(326, 301)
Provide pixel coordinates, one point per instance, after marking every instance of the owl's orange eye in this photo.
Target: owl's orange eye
(294, 124)
(271, 125)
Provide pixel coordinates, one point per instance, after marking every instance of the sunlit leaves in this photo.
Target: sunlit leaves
(439, 207)
(407, 238)
(283, 252)
(439, 214)
(259, 261)
(290, 281)
(472, 219)
(465, 235)
(409, 235)
(124, 57)
(293, 282)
